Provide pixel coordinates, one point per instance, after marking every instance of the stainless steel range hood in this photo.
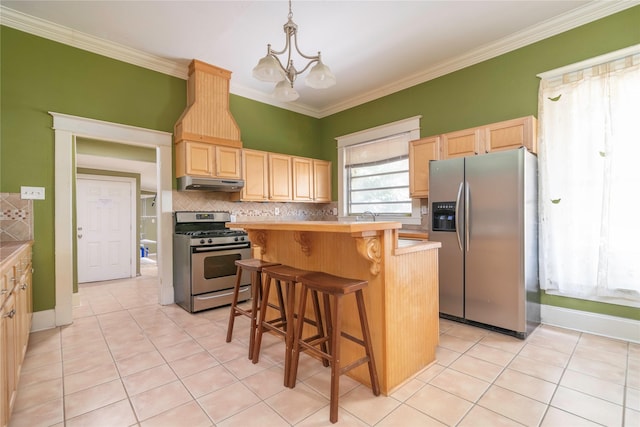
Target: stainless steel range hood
(209, 184)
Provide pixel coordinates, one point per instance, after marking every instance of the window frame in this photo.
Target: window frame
(411, 126)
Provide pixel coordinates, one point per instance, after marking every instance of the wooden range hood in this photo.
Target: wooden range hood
(207, 117)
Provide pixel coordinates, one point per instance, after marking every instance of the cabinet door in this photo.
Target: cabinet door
(279, 177)
(227, 160)
(512, 134)
(255, 168)
(10, 360)
(322, 181)
(194, 158)
(302, 179)
(421, 151)
(462, 143)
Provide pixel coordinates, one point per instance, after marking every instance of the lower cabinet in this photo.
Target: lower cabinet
(15, 323)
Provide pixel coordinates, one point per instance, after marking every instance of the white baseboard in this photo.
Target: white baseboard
(593, 323)
(42, 320)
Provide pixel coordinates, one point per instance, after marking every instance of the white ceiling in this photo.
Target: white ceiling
(373, 47)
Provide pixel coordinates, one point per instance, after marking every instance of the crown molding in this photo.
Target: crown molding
(568, 21)
(588, 13)
(49, 30)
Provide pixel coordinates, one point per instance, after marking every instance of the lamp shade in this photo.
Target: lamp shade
(268, 70)
(320, 77)
(284, 91)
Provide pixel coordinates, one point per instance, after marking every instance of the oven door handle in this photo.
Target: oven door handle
(219, 248)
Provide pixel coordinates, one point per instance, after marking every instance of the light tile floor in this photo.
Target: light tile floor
(128, 361)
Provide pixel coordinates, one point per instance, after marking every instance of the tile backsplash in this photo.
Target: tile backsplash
(16, 218)
(252, 211)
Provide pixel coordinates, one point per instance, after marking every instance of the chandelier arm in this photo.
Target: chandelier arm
(295, 43)
(313, 61)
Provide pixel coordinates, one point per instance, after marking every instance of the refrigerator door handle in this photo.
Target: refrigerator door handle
(466, 215)
(457, 213)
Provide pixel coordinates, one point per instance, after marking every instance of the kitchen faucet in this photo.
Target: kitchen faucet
(373, 216)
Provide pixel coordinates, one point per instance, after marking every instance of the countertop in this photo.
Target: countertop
(318, 226)
(9, 249)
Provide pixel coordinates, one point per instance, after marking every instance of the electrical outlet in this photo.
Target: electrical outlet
(424, 210)
(35, 193)
(276, 211)
(335, 211)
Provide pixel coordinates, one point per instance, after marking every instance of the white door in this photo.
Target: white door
(105, 234)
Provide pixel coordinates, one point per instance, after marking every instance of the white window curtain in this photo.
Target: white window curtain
(589, 165)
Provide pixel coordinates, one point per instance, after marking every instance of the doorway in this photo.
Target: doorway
(66, 129)
(106, 217)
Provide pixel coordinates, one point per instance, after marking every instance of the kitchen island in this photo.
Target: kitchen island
(402, 296)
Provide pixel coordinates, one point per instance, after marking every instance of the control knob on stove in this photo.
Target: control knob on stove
(210, 241)
(202, 241)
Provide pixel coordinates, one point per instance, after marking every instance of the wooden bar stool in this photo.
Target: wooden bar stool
(255, 266)
(334, 288)
(290, 276)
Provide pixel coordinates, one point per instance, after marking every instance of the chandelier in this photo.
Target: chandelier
(271, 69)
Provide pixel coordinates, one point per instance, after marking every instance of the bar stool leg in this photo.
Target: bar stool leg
(264, 304)
(336, 321)
(233, 313)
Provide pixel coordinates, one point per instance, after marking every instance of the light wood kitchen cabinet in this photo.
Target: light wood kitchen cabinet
(207, 160)
(15, 321)
(9, 359)
(280, 182)
(505, 135)
(322, 181)
(462, 143)
(421, 152)
(302, 183)
(255, 165)
(283, 178)
(510, 134)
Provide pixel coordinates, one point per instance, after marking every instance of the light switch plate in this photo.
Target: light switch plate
(35, 193)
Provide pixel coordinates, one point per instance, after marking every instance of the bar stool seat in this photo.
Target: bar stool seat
(333, 288)
(290, 276)
(255, 266)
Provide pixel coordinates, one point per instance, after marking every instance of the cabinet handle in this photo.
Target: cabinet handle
(13, 279)
(4, 291)
(10, 314)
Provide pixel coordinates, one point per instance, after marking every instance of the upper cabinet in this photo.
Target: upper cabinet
(462, 143)
(283, 178)
(322, 181)
(255, 166)
(302, 179)
(511, 134)
(506, 135)
(280, 183)
(207, 160)
(421, 152)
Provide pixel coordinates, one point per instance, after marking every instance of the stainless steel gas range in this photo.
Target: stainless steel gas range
(204, 255)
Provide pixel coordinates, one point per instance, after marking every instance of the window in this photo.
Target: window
(375, 172)
(588, 158)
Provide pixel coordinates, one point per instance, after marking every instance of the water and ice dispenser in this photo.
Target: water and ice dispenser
(444, 216)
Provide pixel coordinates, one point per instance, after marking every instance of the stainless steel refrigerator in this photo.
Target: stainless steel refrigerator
(484, 211)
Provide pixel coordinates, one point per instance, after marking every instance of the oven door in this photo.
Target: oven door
(214, 269)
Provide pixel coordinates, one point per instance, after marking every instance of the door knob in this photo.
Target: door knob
(79, 236)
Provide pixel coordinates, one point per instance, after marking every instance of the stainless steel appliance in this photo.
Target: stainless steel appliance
(484, 212)
(204, 255)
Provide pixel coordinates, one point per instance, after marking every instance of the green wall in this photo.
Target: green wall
(39, 75)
